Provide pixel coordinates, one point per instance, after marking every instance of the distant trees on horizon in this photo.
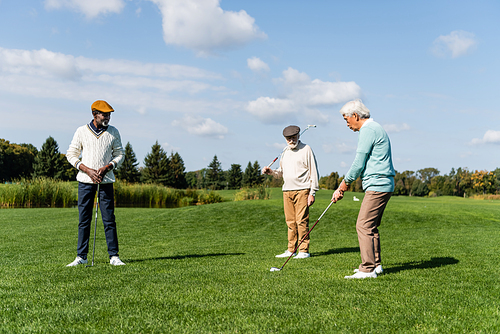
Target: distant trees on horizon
(25, 161)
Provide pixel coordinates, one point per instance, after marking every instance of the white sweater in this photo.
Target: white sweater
(299, 169)
(97, 150)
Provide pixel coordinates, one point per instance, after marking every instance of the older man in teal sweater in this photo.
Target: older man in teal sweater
(373, 162)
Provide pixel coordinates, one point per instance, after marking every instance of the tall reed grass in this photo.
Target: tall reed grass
(37, 192)
(45, 192)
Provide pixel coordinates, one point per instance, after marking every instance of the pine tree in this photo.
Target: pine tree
(248, 176)
(258, 177)
(234, 176)
(157, 167)
(128, 170)
(214, 175)
(70, 171)
(48, 162)
(178, 171)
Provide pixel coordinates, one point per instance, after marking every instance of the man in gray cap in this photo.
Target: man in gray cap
(300, 175)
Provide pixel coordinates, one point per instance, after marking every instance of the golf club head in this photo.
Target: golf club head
(275, 269)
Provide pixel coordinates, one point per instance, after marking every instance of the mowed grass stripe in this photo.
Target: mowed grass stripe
(205, 269)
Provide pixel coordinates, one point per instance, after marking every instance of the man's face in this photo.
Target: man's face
(292, 140)
(101, 119)
(353, 122)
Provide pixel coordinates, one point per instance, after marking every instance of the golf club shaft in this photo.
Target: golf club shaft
(95, 226)
(305, 236)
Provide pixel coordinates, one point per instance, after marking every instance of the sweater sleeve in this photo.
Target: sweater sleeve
(118, 152)
(356, 168)
(313, 173)
(74, 150)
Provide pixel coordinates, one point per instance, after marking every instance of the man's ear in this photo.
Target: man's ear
(356, 115)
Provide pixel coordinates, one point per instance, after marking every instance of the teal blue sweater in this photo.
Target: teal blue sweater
(373, 160)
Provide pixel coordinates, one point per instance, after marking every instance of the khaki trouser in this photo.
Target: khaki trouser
(297, 218)
(369, 218)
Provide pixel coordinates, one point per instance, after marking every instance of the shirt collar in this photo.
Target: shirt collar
(97, 132)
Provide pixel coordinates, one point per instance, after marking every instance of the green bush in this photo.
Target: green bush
(252, 193)
(158, 196)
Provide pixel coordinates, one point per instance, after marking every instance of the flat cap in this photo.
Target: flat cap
(291, 130)
(101, 106)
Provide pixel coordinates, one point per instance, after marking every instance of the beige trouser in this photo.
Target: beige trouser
(369, 218)
(297, 218)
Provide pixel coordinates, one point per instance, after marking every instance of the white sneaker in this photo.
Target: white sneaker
(361, 274)
(77, 261)
(378, 270)
(115, 261)
(302, 255)
(285, 254)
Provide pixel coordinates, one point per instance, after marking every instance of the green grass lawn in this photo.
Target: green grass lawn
(205, 269)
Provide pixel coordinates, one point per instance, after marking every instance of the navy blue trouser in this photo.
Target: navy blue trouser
(86, 195)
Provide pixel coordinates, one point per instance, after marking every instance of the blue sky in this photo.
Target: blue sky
(224, 78)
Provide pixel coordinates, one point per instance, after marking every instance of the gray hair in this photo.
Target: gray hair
(355, 106)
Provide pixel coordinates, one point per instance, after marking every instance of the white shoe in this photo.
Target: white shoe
(302, 255)
(361, 274)
(115, 261)
(378, 270)
(285, 254)
(77, 261)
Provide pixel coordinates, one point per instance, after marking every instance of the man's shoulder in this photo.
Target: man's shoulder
(304, 146)
(111, 128)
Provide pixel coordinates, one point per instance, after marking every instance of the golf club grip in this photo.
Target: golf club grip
(272, 162)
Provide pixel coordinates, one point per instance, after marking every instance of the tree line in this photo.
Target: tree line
(25, 161)
(428, 182)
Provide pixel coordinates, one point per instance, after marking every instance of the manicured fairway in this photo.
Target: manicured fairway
(205, 269)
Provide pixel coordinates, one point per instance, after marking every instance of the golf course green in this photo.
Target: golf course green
(206, 269)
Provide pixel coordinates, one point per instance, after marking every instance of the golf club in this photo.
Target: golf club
(95, 226)
(303, 238)
(272, 162)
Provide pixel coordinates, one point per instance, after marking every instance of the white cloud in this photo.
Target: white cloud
(271, 110)
(140, 86)
(490, 137)
(301, 96)
(47, 63)
(203, 26)
(456, 44)
(257, 65)
(200, 126)
(394, 128)
(90, 8)
(38, 63)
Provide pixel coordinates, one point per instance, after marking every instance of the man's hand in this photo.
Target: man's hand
(103, 170)
(95, 175)
(343, 186)
(310, 200)
(337, 195)
(267, 170)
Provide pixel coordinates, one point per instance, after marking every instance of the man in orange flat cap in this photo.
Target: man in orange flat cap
(100, 147)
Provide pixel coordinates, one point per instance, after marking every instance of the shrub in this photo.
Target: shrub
(252, 193)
